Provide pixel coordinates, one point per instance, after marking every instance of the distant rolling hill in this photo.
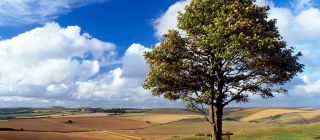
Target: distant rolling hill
(275, 115)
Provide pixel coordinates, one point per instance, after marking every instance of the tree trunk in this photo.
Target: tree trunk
(218, 121)
(215, 118)
(212, 120)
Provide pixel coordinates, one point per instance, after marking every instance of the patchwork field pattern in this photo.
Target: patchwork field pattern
(245, 123)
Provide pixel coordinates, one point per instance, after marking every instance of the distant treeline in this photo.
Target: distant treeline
(15, 110)
(11, 113)
(118, 110)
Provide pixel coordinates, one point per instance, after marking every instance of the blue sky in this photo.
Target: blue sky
(119, 21)
(89, 52)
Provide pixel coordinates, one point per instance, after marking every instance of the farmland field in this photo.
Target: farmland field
(176, 124)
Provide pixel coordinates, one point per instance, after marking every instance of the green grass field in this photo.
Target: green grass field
(285, 132)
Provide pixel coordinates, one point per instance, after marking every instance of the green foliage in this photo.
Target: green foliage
(227, 50)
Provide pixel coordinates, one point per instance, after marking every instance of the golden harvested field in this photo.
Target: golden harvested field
(169, 111)
(162, 118)
(241, 113)
(82, 115)
(265, 113)
(312, 116)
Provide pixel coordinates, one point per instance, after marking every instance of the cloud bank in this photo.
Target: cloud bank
(53, 65)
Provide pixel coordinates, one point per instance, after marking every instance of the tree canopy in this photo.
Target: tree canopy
(224, 51)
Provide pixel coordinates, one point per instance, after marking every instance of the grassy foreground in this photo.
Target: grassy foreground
(288, 132)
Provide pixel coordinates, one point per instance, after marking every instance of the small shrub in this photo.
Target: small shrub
(200, 134)
(69, 122)
(317, 137)
(229, 119)
(253, 121)
(275, 117)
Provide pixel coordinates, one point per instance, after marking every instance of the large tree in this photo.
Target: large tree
(224, 51)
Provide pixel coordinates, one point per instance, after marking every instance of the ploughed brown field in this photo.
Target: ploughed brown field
(81, 128)
(155, 124)
(79, 124)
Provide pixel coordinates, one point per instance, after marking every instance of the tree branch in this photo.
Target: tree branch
(234, 97)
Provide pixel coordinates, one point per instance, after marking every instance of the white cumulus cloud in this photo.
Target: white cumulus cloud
(122, 85)
(49, 59)
(296, 27)
(54, 65)
(168, 20)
